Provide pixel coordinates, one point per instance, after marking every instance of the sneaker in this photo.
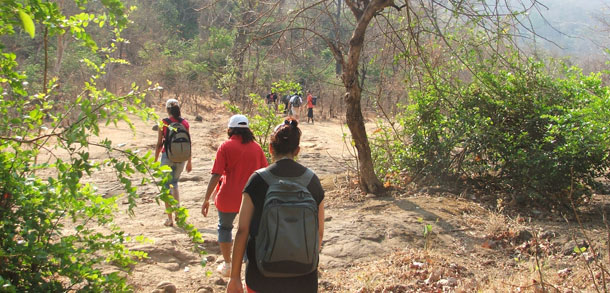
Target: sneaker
(224, 269)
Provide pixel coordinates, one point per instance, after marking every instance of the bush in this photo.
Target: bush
(56, 229)
(525, 131)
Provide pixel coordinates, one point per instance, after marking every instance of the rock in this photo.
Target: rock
(568, 248)
(210, 258)
(489, 244)
(205, 290)
(155, 128)
(370, 195)
(435, 275)
(564, 272)
(589, 256)
(548, 235)
(417, 265)
(523, 236)
(198, 118)
(221, 282)
(449, 282)
(165, 287)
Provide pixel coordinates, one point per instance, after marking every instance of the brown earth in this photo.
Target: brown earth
(371, 244)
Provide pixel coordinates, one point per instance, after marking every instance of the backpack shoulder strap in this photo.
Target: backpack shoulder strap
(267, 176)
(304, 179)
(167, 121)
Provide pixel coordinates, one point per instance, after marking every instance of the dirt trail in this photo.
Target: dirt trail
(360, 232)
(169, 250)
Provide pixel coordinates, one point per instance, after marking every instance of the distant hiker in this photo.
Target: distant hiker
(235, 161)
(288, 193)
(174, 142)
(310, 105)
(286, 102)
(274, 99)
(295, 105)
(271, 100)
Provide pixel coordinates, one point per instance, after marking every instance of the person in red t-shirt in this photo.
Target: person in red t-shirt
(236, 159)
(173, 110)
(309, 107)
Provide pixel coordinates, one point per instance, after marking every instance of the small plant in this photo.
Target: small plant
(427, 233)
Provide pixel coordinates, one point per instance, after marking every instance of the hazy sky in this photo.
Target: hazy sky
(573, 24)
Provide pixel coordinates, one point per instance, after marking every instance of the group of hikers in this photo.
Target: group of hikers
(280, 206)
(292, 104)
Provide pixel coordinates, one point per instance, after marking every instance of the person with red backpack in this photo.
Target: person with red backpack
(174, 142)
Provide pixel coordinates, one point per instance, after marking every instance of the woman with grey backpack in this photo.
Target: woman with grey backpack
(174, 143)
(281, 222)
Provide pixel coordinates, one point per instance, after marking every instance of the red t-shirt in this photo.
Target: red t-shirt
(171, 118)
(309, 101)
(236, 161)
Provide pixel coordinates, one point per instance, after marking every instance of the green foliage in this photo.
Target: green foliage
(263, 121)
(27, 23)
(579, 250)
(56, 228)
(286, 87)
(427, 233)
(523, 130)
(179, 17)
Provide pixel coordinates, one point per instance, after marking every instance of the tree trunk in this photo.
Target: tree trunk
(355, 122)
(364, 13)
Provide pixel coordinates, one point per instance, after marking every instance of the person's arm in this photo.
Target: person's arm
(241, 240)
(159, 142)
(211, 186)
(320, 223)
(189, 166)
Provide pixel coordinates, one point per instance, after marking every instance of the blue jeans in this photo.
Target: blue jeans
(225, 226)
(177, 169)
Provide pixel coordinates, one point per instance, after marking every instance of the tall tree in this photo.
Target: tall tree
(363, 11)
(490, 18)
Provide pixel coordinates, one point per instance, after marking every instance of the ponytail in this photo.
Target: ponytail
(286, 137)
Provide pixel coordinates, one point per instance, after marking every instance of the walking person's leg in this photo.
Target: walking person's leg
(172, 185)
(225, 240)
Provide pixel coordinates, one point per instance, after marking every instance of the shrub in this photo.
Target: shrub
(525, 131)
(56, 229)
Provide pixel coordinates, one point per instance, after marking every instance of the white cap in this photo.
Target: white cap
(238, 121)
(171, 102)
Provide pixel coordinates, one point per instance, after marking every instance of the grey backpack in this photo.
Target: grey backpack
(287, 239)
(177, 141)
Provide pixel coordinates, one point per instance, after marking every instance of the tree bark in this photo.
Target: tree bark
(364, 11)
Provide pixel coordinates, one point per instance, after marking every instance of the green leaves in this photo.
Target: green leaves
(523, 130)
(579, 250)
(27, 23)
(39, 195)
